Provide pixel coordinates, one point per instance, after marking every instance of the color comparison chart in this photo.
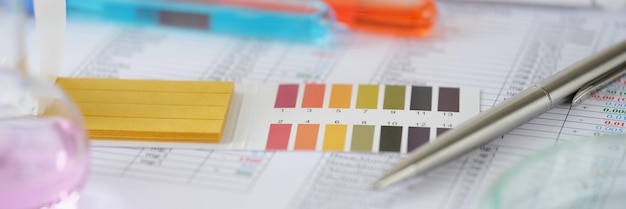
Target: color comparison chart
(351, 117)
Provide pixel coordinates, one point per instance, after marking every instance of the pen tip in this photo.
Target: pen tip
(396, 175)
(376, 186)
(384, 181)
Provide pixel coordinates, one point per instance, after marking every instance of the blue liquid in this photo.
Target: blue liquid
(312, 27)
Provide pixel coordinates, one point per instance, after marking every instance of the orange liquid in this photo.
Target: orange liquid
(385, 16)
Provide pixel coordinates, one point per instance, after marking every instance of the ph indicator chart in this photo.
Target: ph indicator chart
(351, 117)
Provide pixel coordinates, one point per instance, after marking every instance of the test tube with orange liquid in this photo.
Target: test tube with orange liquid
(399, 17)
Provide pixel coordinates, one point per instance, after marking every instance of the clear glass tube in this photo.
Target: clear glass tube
(12, 52)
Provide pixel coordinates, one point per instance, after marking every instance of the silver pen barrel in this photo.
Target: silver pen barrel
(507, 115)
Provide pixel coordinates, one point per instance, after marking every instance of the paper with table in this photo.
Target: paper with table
(497, 48)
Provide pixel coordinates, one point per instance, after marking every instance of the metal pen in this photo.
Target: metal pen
(573, 83)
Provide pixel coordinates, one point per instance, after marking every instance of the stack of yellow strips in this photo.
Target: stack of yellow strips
(151, 110)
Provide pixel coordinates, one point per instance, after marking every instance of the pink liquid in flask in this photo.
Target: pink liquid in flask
(43, 163)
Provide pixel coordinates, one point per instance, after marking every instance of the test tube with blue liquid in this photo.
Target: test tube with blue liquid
(300, 21)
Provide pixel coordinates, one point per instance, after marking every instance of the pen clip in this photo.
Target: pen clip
(593, 87)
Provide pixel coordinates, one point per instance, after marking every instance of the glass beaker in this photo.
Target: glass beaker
(585, 174)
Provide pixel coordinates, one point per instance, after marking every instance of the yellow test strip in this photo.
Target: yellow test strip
(146, 85)
(151, 110)
(137, 97)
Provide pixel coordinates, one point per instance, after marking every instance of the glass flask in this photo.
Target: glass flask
(43, 145)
